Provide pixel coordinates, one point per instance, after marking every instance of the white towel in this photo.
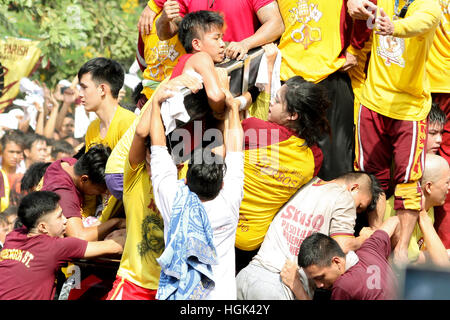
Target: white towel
(262, 77)
(173, 108)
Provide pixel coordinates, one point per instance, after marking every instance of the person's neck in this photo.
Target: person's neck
(28, 163)
(8, 170)
(33, 233)
(71, 172)
(428, 205)
(106, 111)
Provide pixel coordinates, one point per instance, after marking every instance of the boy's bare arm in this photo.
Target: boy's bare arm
(113, 244)
(202, 63)
(434, 246)
(75, 228)
(164, 91)
(167, 23)
(233, 133)
(272, 27)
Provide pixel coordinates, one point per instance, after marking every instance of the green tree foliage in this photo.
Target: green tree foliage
(73, 31)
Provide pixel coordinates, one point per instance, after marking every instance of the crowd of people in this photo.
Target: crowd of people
(324, 180)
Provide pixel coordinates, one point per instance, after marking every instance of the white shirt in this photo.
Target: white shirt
(223, 213)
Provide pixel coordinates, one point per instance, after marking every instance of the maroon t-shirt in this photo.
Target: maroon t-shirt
(56, 179)
(372, 277)
(28, 265)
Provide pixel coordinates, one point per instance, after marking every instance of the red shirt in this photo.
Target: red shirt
(28, 265)
(282, 133)
(178, 69)
(240, 15)
(372, 277)
(56, 179)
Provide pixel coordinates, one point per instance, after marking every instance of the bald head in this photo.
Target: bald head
(435, 168)
(435, 180)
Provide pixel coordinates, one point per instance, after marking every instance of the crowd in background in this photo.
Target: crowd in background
(334, 161)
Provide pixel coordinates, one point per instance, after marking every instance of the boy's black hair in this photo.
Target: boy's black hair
(310, 101)
(205, 174)
(436, 115)
(93, 164)
(62, 146)
(194, 24)
(69, 115)
(33, 176)
(136, 95)
(13, 135)
(374, 186)
(36, 205)
(318, 249)
(80, 152)
(31, 137)
(105, 70)
(10, 211)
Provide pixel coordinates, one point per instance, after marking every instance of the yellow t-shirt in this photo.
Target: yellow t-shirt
(273, 173)
(260, 108)
(160, 57)
(4, 200)
(438, 64)
(116, 160)
(145, 230)
(416, 242)
(396, 85)
(122, 120)
(311, 43)
(358, 73)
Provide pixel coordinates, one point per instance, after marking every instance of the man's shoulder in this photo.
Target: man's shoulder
(349, 283)
(125, 114)
(94, 123)
(258, 4)
(93, 128)
(198, 61)
(333, 191)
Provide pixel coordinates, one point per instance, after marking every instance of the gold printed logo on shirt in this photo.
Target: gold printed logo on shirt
(391, 50)
(305, 13)
(160, 53)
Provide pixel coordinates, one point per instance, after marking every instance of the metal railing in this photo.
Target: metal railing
(239, 71)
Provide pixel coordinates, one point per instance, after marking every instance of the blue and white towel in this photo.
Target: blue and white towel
(186, 272)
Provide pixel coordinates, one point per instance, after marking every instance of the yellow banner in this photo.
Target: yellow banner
(18, 58)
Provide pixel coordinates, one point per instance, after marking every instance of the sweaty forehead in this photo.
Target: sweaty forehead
(435, 126)
(211, 29)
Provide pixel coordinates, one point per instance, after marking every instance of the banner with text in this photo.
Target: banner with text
(18, 57)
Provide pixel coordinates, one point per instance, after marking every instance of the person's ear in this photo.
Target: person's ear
(196, 44)
(26, 153)
(294, 116)
(428, 187)
(354, 187)
(339, 262)
(84, 178)
(103, 88)
(42, 227)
